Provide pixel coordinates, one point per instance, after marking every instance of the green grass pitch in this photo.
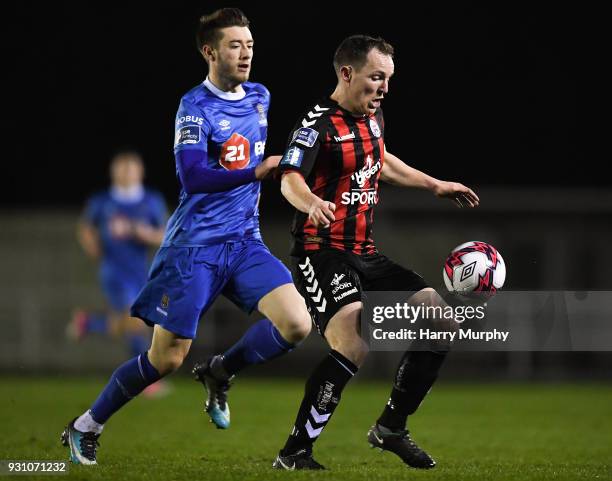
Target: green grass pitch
(475, 432)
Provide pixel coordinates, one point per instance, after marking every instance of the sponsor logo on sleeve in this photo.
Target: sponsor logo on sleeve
(293, 157)
(191, 119)
(305, 136)
(190, 134)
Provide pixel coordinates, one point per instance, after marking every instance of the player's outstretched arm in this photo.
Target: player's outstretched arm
(149, 235)
(268, 166)
(197, 178)
(296, 191)
(396, 172)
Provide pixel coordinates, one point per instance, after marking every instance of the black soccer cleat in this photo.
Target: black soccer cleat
(399, 442)
(83, 446)
(216, 388)
(301, 460)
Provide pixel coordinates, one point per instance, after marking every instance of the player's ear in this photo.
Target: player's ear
(208, 53)
(346, 73)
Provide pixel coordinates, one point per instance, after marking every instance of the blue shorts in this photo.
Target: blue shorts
(121, 290)
(185, 281)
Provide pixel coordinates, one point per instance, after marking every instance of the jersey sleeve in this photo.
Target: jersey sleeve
(266, 97)
(303, 148)
(192, 129)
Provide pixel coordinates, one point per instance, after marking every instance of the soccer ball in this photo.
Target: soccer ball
(474, 269)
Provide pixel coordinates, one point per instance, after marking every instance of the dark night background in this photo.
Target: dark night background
(495, 96)
(485, 95)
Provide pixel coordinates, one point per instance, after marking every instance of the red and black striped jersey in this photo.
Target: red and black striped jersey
(340, 157)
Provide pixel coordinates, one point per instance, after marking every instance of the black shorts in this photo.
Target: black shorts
(330, 279)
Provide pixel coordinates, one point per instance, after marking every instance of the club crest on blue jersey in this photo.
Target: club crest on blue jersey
(189, 134)
(263, 120)
(293, 157)
(305, 136)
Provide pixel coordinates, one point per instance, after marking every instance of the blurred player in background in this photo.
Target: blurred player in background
(117, 229)
(335, 158)
(213, 244)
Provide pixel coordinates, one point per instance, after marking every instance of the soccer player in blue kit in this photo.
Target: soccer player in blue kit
(117, 228)
(212, 244)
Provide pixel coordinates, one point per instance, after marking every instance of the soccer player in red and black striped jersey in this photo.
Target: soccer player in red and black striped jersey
(330, 173)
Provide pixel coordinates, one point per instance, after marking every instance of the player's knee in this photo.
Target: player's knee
(169, 362)
(172, 364)
(294, 325)
(298, 328)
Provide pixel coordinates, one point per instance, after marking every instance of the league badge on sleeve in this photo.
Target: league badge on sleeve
(305, 136)
(293, 157)
(189, 134)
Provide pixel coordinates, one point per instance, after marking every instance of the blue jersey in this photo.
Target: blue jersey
(230, 129)
(112, 216)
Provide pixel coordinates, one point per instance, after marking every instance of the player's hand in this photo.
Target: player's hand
(321, 213)
(120, 227)
(267, 167)
(460, 194)
(142, 232)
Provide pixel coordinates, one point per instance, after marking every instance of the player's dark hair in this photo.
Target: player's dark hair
(126, 153)
(354, 50)
(208, 28)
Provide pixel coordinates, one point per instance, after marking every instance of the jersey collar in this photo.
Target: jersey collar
(222, 94)
(348, 113)
(127, 195)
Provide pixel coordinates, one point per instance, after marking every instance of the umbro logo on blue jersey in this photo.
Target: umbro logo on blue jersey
(224, 124)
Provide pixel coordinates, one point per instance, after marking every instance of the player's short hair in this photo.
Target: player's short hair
(208, 28)
(124, 154)
(354, 50)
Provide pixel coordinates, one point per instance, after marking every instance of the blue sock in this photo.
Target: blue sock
(260, 343)
(126, 382)
(138, 343)
(97, 323)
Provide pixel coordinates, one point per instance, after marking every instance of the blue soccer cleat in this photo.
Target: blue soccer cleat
(209, 373)
(83, 446)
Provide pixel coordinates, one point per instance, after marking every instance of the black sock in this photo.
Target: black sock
(321, 396)
(416, 373)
